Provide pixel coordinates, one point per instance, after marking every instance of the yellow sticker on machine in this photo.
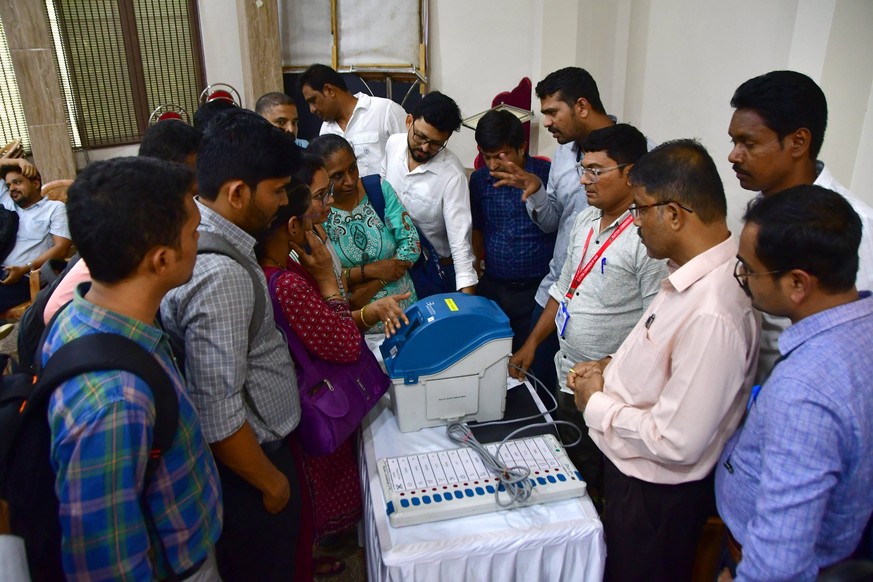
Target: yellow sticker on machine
(451, 304)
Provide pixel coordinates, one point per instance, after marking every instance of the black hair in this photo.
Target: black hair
(207, 112)
(786, 101)
(622, 142)
(497, 129)
(6, 169)
(808, 228)
(438, 110)
(270, 100)
(569, 84)
(682, 171)
(328, 144)
(310, 163)
(299, 201)
(172, 140)
(122, 208)
(242, 145)
(317, 76)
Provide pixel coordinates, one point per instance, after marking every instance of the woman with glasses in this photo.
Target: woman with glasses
(309, 304)
(370, 229)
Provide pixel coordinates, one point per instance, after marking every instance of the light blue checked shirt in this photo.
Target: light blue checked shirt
(794, 483)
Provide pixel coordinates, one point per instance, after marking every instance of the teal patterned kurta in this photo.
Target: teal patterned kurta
(360, 238)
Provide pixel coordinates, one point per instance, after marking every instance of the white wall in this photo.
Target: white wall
(667, 66)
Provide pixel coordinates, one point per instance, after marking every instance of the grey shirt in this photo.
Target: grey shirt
(231, 379)
(611, 299)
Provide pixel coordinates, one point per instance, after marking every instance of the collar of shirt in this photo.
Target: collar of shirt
(433, 165)
(808, 327)
(595, 217)
(685, 276)
(212, 221)
(364, 101)
(38, 204)
(103, 320)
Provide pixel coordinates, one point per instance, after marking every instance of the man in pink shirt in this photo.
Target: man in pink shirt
(663, 406)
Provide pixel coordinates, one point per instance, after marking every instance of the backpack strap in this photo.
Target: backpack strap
(109, 351)
(214, 243)
(373, 188)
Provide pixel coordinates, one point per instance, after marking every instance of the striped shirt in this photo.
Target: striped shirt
(101, 425)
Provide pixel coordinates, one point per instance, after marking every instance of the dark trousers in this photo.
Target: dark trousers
(516, 299)
(586, 456)
(256, 544)
(543, 366)
(652, 530)
(15, 294)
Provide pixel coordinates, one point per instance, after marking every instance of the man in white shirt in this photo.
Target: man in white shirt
(365, 121)
(777, 130)
(431, 183)
(42, 235)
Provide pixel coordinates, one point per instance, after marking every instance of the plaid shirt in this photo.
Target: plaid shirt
(515, 248)
(101, 425)
(230, 378)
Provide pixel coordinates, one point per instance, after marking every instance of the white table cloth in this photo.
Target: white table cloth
(553, 541)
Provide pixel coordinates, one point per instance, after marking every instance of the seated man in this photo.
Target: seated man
(793, 484)
(663, 406)
(605, 285)
(42, 231)
(516, 251)
(281, 111)
(135, 222)
(365, 121)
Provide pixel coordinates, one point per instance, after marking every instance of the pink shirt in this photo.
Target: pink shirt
(63, 293)
(677, 387)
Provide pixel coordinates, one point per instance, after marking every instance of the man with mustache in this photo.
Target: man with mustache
(364, 120)
(571, 107)
(663, 405)
(237, 368)
(431, 183)
(777, 132)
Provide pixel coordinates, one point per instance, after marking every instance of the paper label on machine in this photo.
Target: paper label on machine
(451, 398)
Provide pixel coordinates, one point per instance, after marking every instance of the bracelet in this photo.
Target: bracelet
(383, 282)
(364, 319)
(336, 295)
(345, 274)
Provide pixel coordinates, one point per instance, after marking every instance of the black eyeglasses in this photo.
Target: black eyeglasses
(637, 209)
(742, 274)
(421, 139)
(326, 194)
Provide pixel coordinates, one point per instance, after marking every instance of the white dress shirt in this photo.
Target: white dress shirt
(373, 121)
(437, 198)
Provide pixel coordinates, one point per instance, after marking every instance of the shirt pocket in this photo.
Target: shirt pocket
(364, 143)
(422, 204)
(36, 229)
(646, 372)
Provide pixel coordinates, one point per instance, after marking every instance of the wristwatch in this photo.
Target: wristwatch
(29, 266)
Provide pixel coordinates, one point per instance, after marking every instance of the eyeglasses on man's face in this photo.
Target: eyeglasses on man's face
(637, 209)
(421, 139)
(742, 273)
(593, 174)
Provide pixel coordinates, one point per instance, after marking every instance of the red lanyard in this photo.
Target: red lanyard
(583, 270)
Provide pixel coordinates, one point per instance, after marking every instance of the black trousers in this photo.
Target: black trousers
(516, 299)
(256, 544)
(586, 456)
(543, 366)
(15, 294)
(651, 529)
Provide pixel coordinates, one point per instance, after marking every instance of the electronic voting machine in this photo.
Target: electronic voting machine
(450, 363)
